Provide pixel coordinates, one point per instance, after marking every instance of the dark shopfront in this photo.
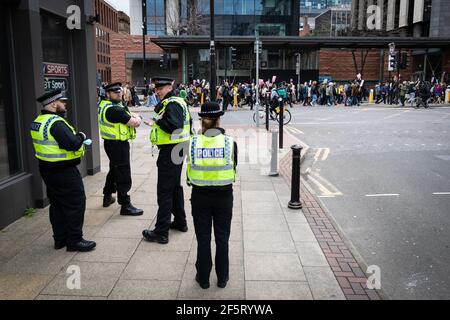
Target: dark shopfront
(40, 53)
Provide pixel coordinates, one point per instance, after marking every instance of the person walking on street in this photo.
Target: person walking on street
(59, 148)
(171, 127)
(117, 127)
(211, 170)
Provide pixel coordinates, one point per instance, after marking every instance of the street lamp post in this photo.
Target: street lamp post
(257, 48)
(144, 33)
(212, 60)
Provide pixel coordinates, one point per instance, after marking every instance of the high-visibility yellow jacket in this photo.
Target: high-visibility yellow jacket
(159, 137)
(210, 161)
(113, 131)
(45, 145)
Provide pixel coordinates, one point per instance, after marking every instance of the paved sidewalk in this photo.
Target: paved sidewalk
(274, 253)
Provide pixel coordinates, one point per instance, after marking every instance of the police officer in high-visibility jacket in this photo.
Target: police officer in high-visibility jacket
(117, 126)
(170, 131)
(211, 170)
(59, 149)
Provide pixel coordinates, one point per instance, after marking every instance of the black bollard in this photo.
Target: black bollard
(295, 202)
(281, 124)
(267, 116)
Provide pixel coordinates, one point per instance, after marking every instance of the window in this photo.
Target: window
(9, 159)
(156, 18)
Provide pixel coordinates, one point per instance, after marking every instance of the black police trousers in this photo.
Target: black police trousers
(119, 175)
(169, 192)
(212, 208)
(65, 191)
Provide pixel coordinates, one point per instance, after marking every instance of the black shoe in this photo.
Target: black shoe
(222, 284)
(151, 236)
(178, 227)
(59, 244)
(108, 200)
(130, 210)
(81, 246)
(202, 285)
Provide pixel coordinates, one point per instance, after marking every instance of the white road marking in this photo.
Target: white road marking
(329, 185)
(326, 153)
(294, 130)
(441, 193)
(383, 195)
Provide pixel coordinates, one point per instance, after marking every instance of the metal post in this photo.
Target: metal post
(295, 202)
(281, 123)
(274, 160)
(144, 33)
(267, 116)
(257, 78)
(212, 62)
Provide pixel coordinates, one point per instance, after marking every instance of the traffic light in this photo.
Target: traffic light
(233, 55)
(403, 61)
(191, 70)
(164, 61)
(392, 62)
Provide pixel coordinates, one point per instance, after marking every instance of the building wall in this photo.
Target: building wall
(124, 23)
(24, 29)
(136, 17)
(107, 25)
(121, 45)
(340, 66)
(439, 24)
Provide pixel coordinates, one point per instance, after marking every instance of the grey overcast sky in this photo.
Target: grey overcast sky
(121, 5)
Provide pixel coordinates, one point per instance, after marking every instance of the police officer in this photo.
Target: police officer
(170, 130)
(211, 170)
(117, 127)
(59, 150)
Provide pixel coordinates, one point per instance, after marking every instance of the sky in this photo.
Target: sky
(121, 5)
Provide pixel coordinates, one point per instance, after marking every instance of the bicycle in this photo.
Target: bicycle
(274, 114)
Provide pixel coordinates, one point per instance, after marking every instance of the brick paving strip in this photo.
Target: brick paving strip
(345, 267)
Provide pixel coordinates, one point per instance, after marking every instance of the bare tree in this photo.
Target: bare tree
(195, 22)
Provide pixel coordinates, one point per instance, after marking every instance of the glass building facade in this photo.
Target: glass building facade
(232, 17)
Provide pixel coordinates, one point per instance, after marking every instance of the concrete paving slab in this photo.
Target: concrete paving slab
(311, 254)
(273, 267)
(301, 232)
(97, 279)
(323, 284)
(110, 250)
(235, 289)
(274, 223)
(21, 286)
(145, 290)
(156, 265)
(264, 241)
(123, 228)
(39, 260)
(277, 290)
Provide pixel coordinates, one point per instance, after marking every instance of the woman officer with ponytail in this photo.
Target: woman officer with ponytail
(211, 171)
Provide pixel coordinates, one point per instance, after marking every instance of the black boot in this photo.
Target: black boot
(81, 246)
(108, 200)
(203, 285)
(130, 210)
(59, 244)
(151, 236)
(182, 228)
(222, 283)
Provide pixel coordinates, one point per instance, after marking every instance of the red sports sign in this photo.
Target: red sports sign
(56, 69)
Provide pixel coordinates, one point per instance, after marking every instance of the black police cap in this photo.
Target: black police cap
(117, 86)
(210, 110)
(162, 81)
(51, 96)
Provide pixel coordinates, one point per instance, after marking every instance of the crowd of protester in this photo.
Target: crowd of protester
(312, 93)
